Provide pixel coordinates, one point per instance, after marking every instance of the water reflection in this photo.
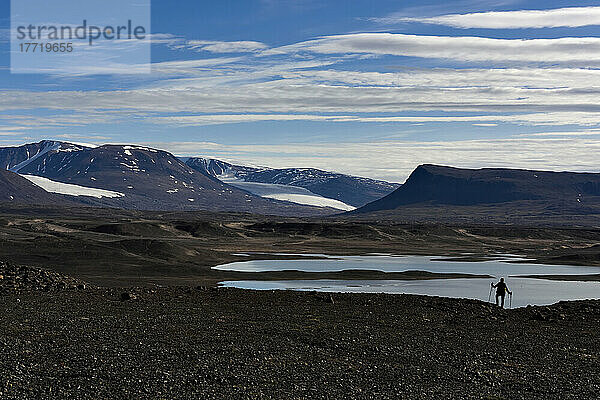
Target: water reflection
(526, 290)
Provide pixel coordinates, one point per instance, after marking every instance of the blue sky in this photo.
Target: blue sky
(361, 87)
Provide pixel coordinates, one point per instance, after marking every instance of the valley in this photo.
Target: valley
(123, 248)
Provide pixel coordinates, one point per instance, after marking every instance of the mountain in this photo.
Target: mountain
(216, 168)
(350, 190)
(134, 177)
(18, 190)
(16, 158)
(440, 185)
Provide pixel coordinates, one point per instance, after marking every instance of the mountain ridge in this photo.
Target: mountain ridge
(442, 185)
(149, 179)
(352, 190)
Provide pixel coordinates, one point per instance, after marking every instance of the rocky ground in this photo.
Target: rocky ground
(17, 278)
(188, 343)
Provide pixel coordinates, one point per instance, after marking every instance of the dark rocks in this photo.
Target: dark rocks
(561, 311)
(173, 342)
(125, 296)
(539, 316)
(17, 278)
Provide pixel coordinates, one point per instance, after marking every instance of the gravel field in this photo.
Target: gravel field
(188, 343)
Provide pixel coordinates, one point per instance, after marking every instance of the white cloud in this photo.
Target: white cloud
(282, 97)
(553, 18)
(449, 78)
(555, 118)
(36, 122)
(462, 48)
(589, 132)
(395, 160)
(10, 133)
(226, 47)
(98, 139)
(256, 87)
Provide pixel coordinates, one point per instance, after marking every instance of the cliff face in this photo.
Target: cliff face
(432, 184)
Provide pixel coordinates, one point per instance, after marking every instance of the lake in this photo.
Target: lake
(526, 290)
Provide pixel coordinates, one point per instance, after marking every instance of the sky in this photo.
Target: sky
(370, 88)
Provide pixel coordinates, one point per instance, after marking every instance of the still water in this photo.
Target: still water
(526, 290)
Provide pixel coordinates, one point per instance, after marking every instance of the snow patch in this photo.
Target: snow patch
(293, 194)
(70, 189)
(89, 145)
(139, 148)
(311, 200)
(70, 149)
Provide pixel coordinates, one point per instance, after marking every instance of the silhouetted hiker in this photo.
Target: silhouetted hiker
(501, 290)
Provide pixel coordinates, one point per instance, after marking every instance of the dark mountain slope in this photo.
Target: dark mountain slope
(13, 158)
(215, 168)
(18, 190)
(439, 185)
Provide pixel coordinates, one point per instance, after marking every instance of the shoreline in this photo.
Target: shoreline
(566, 278)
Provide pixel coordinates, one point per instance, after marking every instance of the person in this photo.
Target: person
(501, 290)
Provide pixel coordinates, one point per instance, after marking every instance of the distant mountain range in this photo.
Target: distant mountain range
(133, 177)
(136, 177)
(431, 185)
(349, 190)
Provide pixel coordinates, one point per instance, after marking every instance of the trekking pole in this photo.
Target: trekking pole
(511, 300)
(490, 295)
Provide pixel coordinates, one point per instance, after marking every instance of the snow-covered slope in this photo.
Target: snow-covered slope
(70, 189)
(286, 193)
(349, 190)
(15, 189)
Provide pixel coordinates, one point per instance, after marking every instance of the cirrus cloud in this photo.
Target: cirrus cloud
(462, 48)
(561, 17)
(244, 46)
(395, 160)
